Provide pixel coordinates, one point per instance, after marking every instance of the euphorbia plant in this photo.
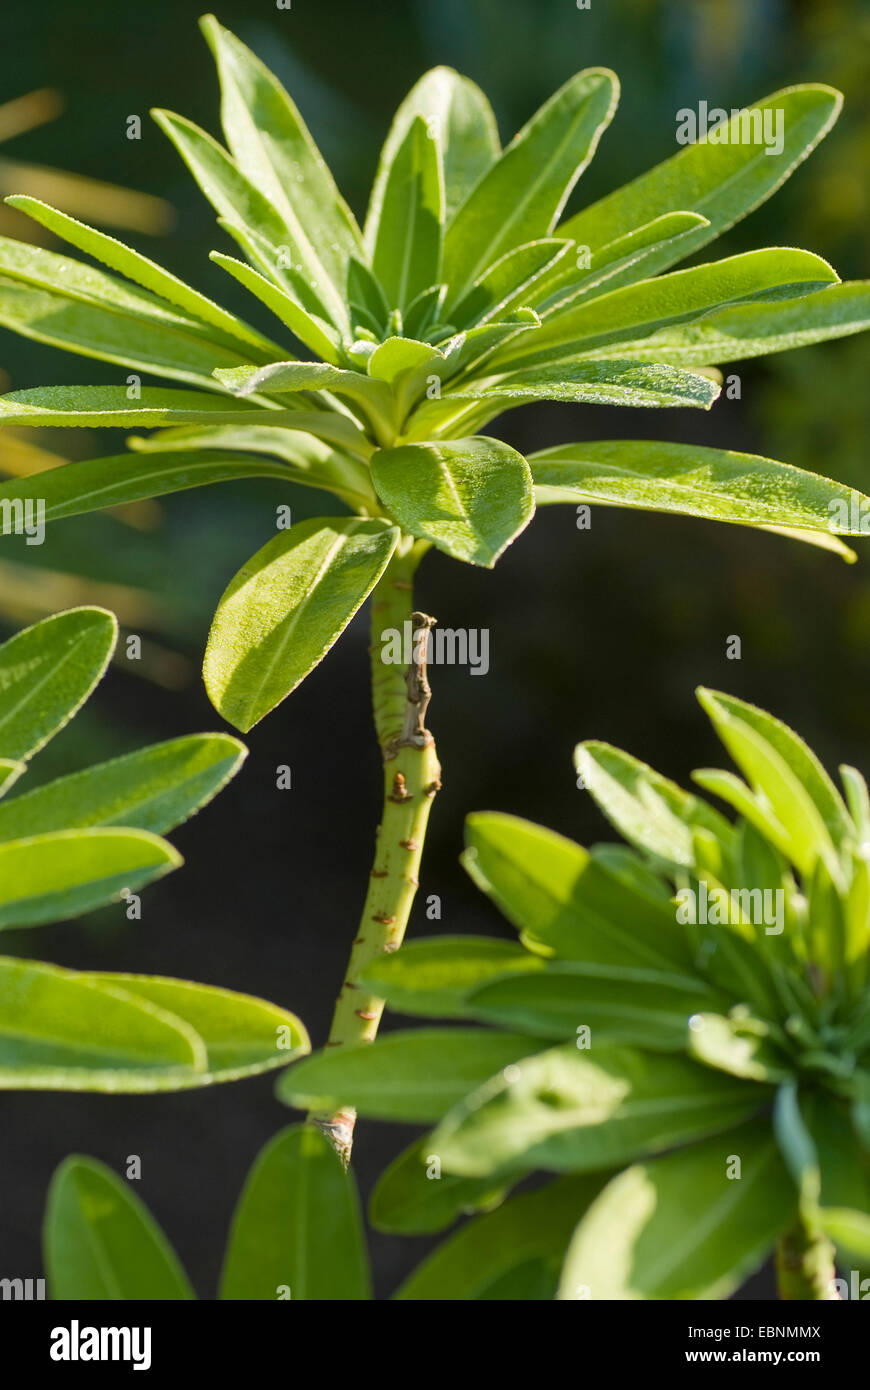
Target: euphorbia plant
(465, 294)
(696, 1007)
(88, 839)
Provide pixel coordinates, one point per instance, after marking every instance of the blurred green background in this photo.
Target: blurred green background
(601, 633)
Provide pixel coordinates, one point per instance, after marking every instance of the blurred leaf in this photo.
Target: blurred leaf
(413, 1197)
(297, 1226)
(413, 1076)
(572, 1111)
(101, 1242)
(691, 1225)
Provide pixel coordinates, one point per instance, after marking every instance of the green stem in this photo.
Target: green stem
(805, 1265)
(400, 696)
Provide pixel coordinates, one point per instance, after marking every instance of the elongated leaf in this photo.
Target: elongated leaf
(286, 607)
(754, 330)
(65, 1031)
(599, 383)
(621, 262)
(471, 1263)
(572, 903)
(412, 1076)
(101, 1242)
(471, 497)
(274, 149)
(800, 758)
(288, 377)
(307, 459)
(241, 1034)
(112, 405)
(314, 332)
(297, 1231)
(460, 119)
(48, 878)
(769, 768)
(59, 301)
(435, 977)
(143, 272)
(723, 181)
(692, 1225)
(573, 1111)
(513, 281)
(153, 790)
(413, 1196)
(47, 671)
(94, 484)
(561, 1002)
(630, 316)
(716, 484)
(523, 193)
(239, 203)
(650, 811)
(407, 250)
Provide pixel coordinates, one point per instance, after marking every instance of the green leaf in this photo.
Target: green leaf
(95, 484)
(470, 497)
(562, 1000)
(143, 272)
(434, 977)
(284, 377)
(113, 406)
(716, 484)
(621, 262)
(629, 317)
(67, 1031)
(650, 811)
(244, 212)
(63, 1031)
(101, 1242)
(800, 758)
(512, 281)
(49, 878)
(522, 194)
(311, 330)
(407, 251)
(737, 1045)
(241, 1034)
(307, 460)
(690, 1225)
(297, 1231)
(59, 301)
(598, 383)
(721, 181)
(413, 1197)
(274, 150)
(766, 755)
(412, 1076)
(753, 330)
(286, 607)
(154, 789)
(460, 119)
(567, 1110)
(472, 1262)
(573, 903)
(47, 671)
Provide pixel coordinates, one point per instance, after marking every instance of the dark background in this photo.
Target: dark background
(601, 634)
